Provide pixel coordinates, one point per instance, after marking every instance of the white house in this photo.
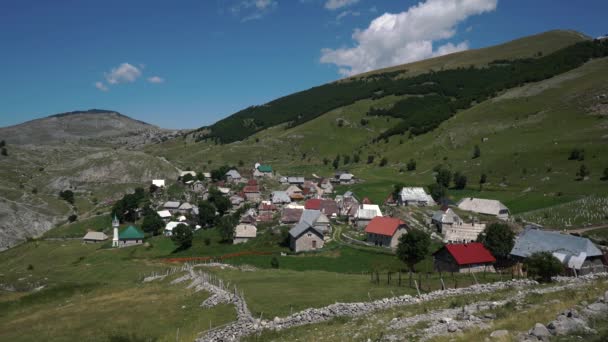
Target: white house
(185, 173)
(485, 207)
(160, 183)
(171, 206)
(171, 226)
(243, 233)
(415, 196)
(365, 213)
(164, 214)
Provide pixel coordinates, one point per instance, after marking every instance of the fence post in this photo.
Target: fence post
(400, 278)
(442, 284)
(417, 288)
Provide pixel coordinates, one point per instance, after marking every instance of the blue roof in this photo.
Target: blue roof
(531, 241)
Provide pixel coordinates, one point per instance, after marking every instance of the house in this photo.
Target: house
(183, 174)
(198, 186)
(164, 214)
(236, 200)
(454, 229)
(317, 220)
(280, 197)
(252, 193)
(576, 253)
(415, 196)
(310, 189)
(464, 258)
(267, 207)
(94, 237)
(346, 178)
(326, 186)
(295, 180)
(265, 217)
(233, 176)
(366, 213)
(207, 175)
(303, 237)
(445, 217)
(130, 236)
(159, 183)
(485, 207)
(169, 227)
(223, 190)
(171, 206)
(326, 206)
(385, 231)
(291, 216)
(243, 233)
(293, 190)
(248, 219)
(348, 206)
(390, 201)
(262, 171)
(185, 208)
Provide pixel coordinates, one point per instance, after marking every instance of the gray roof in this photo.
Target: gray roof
(534, 240)
(185, 206)
(233, 173)
(295, 180)
(96, 236)
(448, 216)
(483, 206)
(310, 216)
(171, 205)
(415, 194)
(280, 197)
(301, 228)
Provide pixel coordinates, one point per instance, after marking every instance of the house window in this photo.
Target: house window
(309, 234)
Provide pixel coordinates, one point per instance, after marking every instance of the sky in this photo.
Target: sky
(189, 63)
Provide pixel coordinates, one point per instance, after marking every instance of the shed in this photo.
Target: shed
(94, 237)
(464, 258)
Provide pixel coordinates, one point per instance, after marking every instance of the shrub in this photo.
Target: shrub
(411, 165)
(274, 262)
(30, 267)
(383, 162)
(72, 218)
(476, 152)
(67, 195)
(370, 159)
(577, 154)
(543, 265)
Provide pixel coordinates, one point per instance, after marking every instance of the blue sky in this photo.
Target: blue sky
(185, 64)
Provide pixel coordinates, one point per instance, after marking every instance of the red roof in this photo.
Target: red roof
(470, 253)
(383, 225)
(267, 207)
(252, 182)
(250, 189)
(313, 204)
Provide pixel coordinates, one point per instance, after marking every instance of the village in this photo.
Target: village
(313, 214)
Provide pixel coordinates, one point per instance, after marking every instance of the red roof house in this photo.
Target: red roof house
(313, 204)
(464, 257)
(385, 231)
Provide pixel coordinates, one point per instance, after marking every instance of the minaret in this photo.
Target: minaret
(115, 224)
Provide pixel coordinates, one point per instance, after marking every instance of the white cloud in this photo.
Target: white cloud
(347, 13)
(124, 73)
(393, 39)
(156, 79)
(336, 4)
(253, 9)
(101, 86)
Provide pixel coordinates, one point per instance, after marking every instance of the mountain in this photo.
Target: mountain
(93, 124)
(547, 105)
(531, 58)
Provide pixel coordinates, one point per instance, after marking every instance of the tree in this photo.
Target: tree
(206, 213)
(411, 165)
(498, 238)
(577, 154)
(72, 218)
(460, 181)
(413, 247)
(356, 158)
(226, 228)
(4, 152)
(153, 188)
(346, 159)
(396, 194)
(182, 236)
(444, 176)
(274, 262)
(340, 122)
(605, 177)
(476, 152)
(583, 172)
(543, 265)
(187, 177)
(325, 161)
(152, 224)
(482, 180)
(437, 191)
(370, 159)
(336, 163)
(67, 195)
(241, 163)
(221, 202)
(383, 162)
(364, 122)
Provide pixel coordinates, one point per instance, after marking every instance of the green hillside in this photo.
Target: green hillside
(453, 88)
(525, 135)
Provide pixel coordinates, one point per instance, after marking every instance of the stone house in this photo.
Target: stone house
(317, 220)
(464, 258)
(303, 237)
(243, 233)
(385, 231)
(485, 207)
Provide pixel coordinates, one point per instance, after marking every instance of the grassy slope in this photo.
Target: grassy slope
(526, 47)
(529, 131)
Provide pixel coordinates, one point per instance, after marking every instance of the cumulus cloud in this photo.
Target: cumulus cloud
(124, 73)
(336, 4)
(101, 86)
(156, 79)
(393, 39)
